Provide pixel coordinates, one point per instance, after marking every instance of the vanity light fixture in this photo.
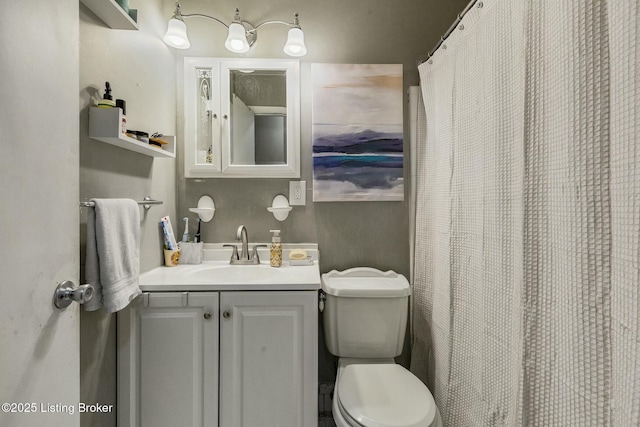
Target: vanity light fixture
(241, 36)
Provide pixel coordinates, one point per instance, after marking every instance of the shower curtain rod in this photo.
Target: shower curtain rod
(451, 28)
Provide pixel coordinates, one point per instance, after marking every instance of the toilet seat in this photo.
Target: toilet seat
(384, 395)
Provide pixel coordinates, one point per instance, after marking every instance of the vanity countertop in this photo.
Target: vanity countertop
(216, 274)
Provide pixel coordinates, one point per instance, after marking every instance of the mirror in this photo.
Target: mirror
(242, 118)
(258, 117)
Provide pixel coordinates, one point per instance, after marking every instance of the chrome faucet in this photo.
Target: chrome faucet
(242, 236)
(243, 257)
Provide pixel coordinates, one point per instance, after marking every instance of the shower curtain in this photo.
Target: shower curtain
(527, 249)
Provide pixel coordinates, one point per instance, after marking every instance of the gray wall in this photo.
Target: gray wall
(141, 70)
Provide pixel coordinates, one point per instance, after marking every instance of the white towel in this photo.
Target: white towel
(113, 253)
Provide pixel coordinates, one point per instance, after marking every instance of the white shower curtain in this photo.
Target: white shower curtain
(527, 271)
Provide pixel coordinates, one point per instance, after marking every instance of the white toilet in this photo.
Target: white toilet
(365, 317)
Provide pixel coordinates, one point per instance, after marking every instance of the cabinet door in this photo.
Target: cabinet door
(268, 359)
(168, 360)
(203, 118)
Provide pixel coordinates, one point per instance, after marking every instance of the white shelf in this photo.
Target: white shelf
(104, 125)
(112, 14)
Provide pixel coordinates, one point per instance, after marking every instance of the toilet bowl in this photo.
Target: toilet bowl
(381, 394)
(365, 318)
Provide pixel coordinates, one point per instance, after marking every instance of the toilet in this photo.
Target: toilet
(365, 318)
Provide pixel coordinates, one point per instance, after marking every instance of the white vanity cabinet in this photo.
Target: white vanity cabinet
(228, 359)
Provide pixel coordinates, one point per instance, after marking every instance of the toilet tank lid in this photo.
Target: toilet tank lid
(365, 282)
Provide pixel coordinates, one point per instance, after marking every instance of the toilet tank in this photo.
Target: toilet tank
(365, 313)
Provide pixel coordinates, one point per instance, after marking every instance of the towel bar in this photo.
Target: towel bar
(146, 202)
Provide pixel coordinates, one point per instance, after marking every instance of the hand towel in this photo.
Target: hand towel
(113, 253)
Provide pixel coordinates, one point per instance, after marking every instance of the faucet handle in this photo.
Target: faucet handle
(254, 254)
(234, 254)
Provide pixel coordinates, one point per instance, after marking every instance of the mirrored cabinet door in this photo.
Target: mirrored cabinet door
(202, 138)
(246, 121)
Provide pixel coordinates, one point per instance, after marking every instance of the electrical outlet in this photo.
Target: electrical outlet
(297, 193)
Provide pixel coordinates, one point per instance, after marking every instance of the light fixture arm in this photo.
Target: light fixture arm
(295, 24)
(200, 15)
(274, 22)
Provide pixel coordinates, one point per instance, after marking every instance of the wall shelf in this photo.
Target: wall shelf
(104, 125)
(111, 14)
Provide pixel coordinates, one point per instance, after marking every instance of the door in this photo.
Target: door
(39, 213)
(168, 360)
(268, 359)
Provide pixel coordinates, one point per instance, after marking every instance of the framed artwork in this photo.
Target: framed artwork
(357, 132)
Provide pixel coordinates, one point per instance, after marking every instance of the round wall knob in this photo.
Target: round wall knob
(226, 314)
(207, 315)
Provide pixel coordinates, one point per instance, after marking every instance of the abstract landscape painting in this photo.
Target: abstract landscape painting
(357, 132)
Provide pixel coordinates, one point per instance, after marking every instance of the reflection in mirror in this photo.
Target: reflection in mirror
(258, 117)
(204, 111)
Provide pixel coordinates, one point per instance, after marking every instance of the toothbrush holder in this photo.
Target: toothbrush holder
(191, 253)
(171, 257)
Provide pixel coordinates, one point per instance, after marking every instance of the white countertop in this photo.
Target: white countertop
(216, 274)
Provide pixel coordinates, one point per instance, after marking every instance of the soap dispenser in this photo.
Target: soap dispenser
(276, 249)
(107, 99)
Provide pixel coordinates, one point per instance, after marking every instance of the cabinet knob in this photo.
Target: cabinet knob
(225, 117)
(207, 315)
(226, 314)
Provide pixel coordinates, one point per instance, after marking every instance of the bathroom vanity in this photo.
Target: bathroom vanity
(221, 345)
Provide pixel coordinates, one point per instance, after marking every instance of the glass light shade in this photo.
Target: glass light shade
(295, 43)
(176, 35)
(237, 39)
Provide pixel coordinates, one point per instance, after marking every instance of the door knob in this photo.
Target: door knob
(226, 314)
(66, 293)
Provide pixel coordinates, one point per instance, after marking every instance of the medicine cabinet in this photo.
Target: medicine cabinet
(242, 118)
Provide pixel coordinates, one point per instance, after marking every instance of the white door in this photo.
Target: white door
(268, 359)
(168, 360)
(39, 344)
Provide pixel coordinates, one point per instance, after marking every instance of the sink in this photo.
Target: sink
(216, 274)
(234, 273)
